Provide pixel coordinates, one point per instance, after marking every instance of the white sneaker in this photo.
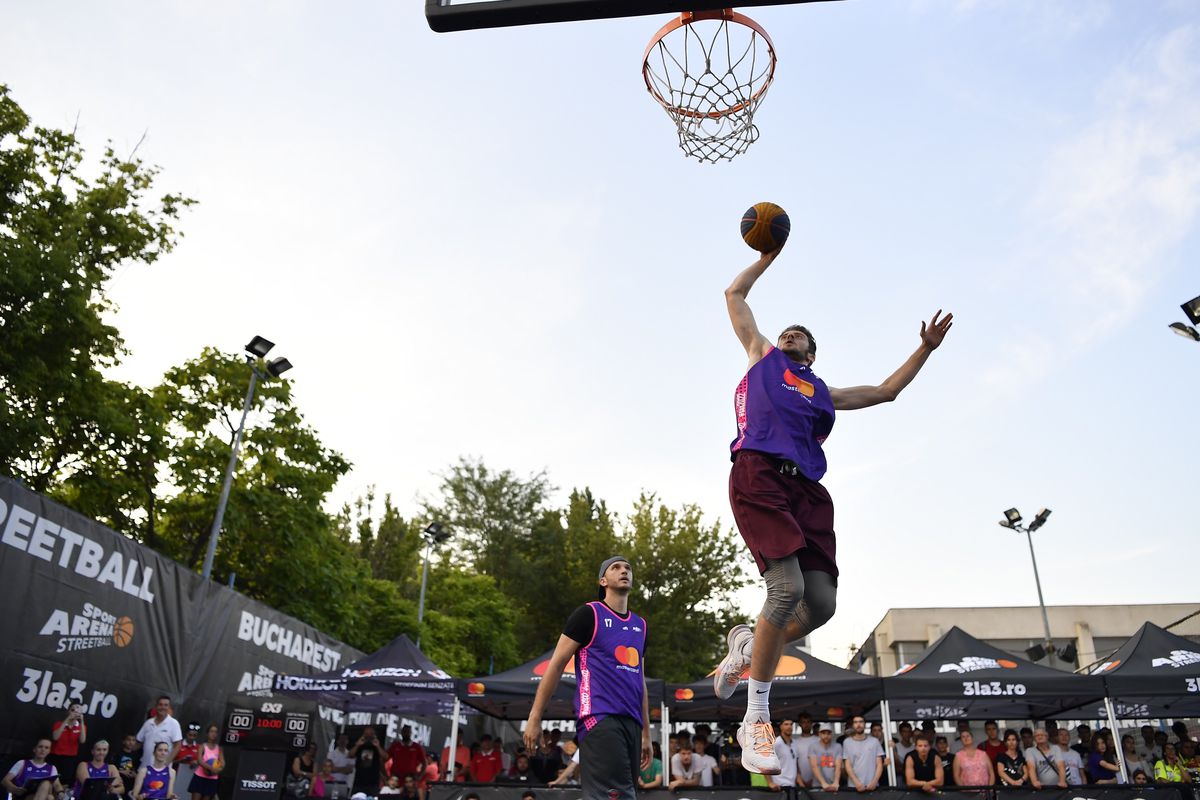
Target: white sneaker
(729, 672)
(757, 738)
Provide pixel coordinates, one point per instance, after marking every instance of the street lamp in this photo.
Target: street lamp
(257, 349)
(1012, 521)
(434, 534)
(1185, 330)
(1192, 309)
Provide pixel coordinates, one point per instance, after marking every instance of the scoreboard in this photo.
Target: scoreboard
(266, 724)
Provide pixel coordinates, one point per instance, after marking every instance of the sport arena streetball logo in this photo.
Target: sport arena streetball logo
(90, 628)
(1177, 659)
(976, 663)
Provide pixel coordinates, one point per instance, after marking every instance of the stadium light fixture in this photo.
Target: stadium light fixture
(434, 534)
(255, 350)
(1012, 518)
(259, 347)
(1185, 330)
(1039, 520)
(278, 366)
(1035, 653)
(1192, 309)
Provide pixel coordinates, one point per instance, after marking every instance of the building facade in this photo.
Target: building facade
(1095, 631)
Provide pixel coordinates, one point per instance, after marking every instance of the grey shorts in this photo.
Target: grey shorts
(610, 759)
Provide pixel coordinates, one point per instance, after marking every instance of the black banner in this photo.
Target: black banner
(97, 619)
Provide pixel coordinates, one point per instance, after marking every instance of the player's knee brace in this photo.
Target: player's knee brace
(785, 590)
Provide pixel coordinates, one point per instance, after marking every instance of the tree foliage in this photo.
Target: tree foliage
(150, 462)
(61, 237)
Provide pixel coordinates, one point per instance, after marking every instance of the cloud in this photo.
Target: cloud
(1112, 200)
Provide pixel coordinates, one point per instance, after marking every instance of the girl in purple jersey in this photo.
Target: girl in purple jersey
(33, 778)
(156, 781)
(784, 413)
(608, 643)
(97, 778)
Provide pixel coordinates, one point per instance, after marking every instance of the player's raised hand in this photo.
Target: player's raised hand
(934, 333)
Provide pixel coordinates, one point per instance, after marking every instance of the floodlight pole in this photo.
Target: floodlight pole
(433, 534)
(1041, 601)
(215, 533)
(421, 602)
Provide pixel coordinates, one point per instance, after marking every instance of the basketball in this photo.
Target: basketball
(765, 227)
(122, 631)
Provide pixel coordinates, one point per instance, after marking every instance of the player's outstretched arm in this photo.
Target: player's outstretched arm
(563, 652)
(740, 314)
(932, 336)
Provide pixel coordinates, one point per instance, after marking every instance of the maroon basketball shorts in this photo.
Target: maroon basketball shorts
(781, 515)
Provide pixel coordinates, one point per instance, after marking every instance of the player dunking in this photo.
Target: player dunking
(784, 412)
(612, 711)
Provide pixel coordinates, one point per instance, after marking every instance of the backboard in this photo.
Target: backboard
(445, 16)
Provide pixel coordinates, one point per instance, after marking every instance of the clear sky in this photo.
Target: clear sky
(488, 244)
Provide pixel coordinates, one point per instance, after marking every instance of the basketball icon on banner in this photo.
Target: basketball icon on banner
(122, 631)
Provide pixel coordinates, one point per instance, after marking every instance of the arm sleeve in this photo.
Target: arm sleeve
(581, 625)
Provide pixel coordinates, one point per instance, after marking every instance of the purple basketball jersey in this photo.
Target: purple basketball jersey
(785, 411)
(609, 676)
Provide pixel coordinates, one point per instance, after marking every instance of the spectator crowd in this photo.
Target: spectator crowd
(162, 761)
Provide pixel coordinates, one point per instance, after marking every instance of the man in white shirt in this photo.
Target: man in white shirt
(686, 769)
(902, 748)
(162, 727)
(343, 767)
(802, 743)
(708, 764)
(1072, 763)
(785, 781)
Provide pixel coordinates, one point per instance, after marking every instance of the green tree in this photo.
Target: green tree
(62, 235)
(685, 574)
(468, 623)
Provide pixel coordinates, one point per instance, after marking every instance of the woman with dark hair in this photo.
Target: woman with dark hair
(1102, 766)
(210, 760)
(1010, 765)
(97, 778)
(156, 780)
(1168, 769)
(304, 769)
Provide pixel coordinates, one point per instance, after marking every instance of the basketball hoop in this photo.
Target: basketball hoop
(710, 70)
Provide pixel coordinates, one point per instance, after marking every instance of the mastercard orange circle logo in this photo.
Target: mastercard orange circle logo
(834, 712)
(684, 694)
(1004, 662)
(627, 655)
(475, 688)
(790, 665)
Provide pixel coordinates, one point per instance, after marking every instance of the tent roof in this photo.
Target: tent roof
(961, 677)
(803, 684)
(509, 694)
(1155, 673)
(397, 677)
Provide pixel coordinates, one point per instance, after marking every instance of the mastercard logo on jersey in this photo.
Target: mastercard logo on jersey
(627, 655)
(798, 384)
(155, 784)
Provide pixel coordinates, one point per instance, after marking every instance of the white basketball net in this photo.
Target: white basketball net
(710, 73)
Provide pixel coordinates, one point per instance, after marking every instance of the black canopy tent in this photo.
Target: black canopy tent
(803, 684)
(961, 677)
(398, 678)
(509, 694)
(1156, 673)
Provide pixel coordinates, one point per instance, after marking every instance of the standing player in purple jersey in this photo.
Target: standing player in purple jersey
(608, 642)
(784, 413)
